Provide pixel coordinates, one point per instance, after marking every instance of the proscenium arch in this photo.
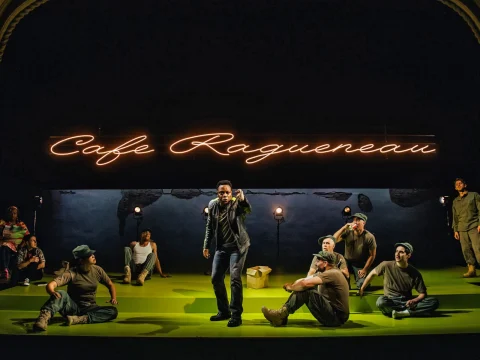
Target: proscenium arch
(13, 11)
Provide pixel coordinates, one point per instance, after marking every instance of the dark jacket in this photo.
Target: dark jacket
(236, 217)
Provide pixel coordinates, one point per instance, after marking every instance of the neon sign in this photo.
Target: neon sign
(108, 156)
(220, 144)
(216, 143)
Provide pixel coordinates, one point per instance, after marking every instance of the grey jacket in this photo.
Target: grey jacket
(236, 217)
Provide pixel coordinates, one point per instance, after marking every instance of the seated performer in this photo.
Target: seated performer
(12, 231)
(399, 278)
(328, 244)
(328, 304)
(140, 258)
(30, 261)
(78, 303)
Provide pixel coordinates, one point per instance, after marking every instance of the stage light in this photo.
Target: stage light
(278, 214)
(444, 200)
(205, 213)
(137, 212)
(37, 205)
(346, 212)
(37, 201)
(138, 215)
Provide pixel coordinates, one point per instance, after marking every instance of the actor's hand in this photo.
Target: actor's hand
(362, 273)
(239, 195)
(360, 292)
(206, 253)
(112, 301)
(411, 304)
(288, 287)
(456, 235)
(56, 294)
(165, 275)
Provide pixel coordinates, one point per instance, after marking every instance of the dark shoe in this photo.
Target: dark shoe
(234, 322)
(220, 317)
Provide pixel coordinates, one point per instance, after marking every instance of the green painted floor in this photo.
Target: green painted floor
(181, 306)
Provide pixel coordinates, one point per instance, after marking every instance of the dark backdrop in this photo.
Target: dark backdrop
(103, 219)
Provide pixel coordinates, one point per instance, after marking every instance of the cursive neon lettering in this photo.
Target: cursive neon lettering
(108, 156)
(78, 143)
(213, 140)
(221, 144)
(208, 142)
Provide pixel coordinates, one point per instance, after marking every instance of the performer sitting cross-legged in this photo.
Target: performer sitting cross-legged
(78, 304)
(399, 278)
(140, 258)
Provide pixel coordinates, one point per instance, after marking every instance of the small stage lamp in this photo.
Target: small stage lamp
(137, 212)
(278, 214)
(138, 215)
(444, 200)
(205, 213)
(346, 213)
(37, 204)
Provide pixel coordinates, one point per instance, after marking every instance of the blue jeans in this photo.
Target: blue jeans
(222, 260)
(66, 306)
(386, 304)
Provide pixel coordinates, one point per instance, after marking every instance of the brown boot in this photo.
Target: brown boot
(276, 317)
(472, 272)
(141, 277)
(76, 320)
(128, 275)
(42, 321)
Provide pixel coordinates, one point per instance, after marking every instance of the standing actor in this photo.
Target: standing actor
(399, 278)
(328, 304)
(226, 225)
(360, 247)
(466, 224)
(78, 304)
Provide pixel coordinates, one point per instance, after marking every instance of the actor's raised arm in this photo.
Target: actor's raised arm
(338, 234)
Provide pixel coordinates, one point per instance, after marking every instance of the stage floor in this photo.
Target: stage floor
(180, 307)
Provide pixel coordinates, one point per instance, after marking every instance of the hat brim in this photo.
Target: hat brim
(323, 259)
(87, 255)
(331, 237)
